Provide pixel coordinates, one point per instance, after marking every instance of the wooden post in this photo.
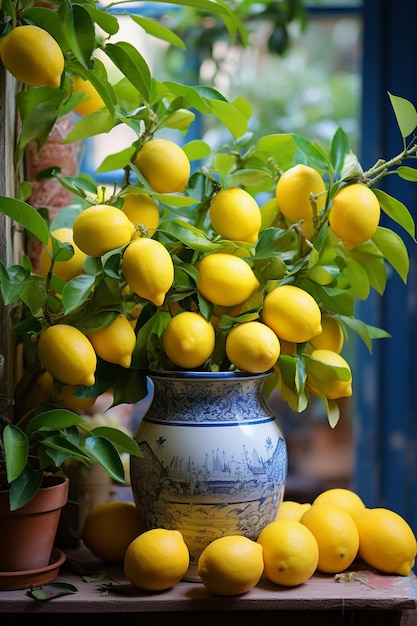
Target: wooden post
(7, 187)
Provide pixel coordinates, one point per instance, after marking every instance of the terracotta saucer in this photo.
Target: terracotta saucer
(24, 579)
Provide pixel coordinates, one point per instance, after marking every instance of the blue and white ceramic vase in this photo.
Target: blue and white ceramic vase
(214, 458)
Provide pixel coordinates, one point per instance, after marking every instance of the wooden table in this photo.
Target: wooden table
(383, 600)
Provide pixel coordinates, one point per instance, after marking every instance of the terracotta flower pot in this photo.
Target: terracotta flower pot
(28, 534)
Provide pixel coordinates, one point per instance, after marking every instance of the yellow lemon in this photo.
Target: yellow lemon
(235, 215)
(252, 347)
(290, 552)
(231, 565)
(293, 194)
(355, 214)
(292, 313)
(101, 228)
(109, 529)
(225, 279)
(141, 209)
(64, 395)
(345, 498)
(64, 269)
(331, 336)
(33, 56)
(336, 534)
(386, 541)
(148, 269)
(325, 379)
(116, 342)
(92, 101)
(289, 509)
(156, 560)
(189, 339)
(164, 165)
(67, 354)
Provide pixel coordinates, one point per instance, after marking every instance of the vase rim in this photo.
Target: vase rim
(192, 374)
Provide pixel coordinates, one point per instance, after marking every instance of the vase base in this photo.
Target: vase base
(191, 575)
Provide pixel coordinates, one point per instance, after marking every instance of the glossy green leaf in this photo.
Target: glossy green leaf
(156, 29)
(407, 173)
(24, 487)
(397, 211)
(405, 114)
(101, 121)
(231, 117)
(106, 454)
(358, 279)
(189, 235)
(16, 449)
(339, 148)
(196, 149)
(312, 153)
(364, 331)
(116, 161)
(132, 65)
(107, 22)
(55, 419)
(122, 441)
(26, 215)
(394, 250)
(34, 294)
(76, 292)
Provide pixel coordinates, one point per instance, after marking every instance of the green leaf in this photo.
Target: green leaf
(371, 259)
(394, 250)
(407, 173)
(108, 22)
(79, 29)
(132, 64)
(51, 591)
(313, 154)
(55, 419)
(27, 216)
(364, 331)
(340, 147)
(16, 449)
(121, 441)
(196, 149)
(189, 235)
(358, 279)
(101, 121)
(76, 292)
(156, 29)
(25, 487)
(405, 114)
(397, 211)
(106, 454)
(231, 117)
(116, 161)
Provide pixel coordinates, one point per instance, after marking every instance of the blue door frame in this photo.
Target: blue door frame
(384, 413)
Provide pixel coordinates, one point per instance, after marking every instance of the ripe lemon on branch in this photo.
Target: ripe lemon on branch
(235, 215)
(292, 313)
(189, 339)
(355, 214)
(164, 165)
(148, 269)
(225, 279)
(101, 228)
(33, 56)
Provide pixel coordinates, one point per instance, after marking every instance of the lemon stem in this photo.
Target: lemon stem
(381, 167)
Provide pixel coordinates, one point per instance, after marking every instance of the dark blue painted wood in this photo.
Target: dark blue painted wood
(386, 382)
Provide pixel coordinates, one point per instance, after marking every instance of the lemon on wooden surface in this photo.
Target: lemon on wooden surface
(355, 214)
(64, 269)
(148, 269)
(141, 209)
(33, 56)
(386, 541)
(346, 498)
(252, 347)
(109, 528)
(235, 215)
(157, 559)
(64, 395)
(327, 381)
(101, 228)
(92, 101)
(115, 342)
(290, 552)
(292, 313)
(67, 354)
(164, 165)
(231, 565)
(225, 279)
(189, 339)
(336, 535)
(331, 336)
(289, 509)
(293, 194)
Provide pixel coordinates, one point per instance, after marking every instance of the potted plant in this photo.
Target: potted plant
(202, 259)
